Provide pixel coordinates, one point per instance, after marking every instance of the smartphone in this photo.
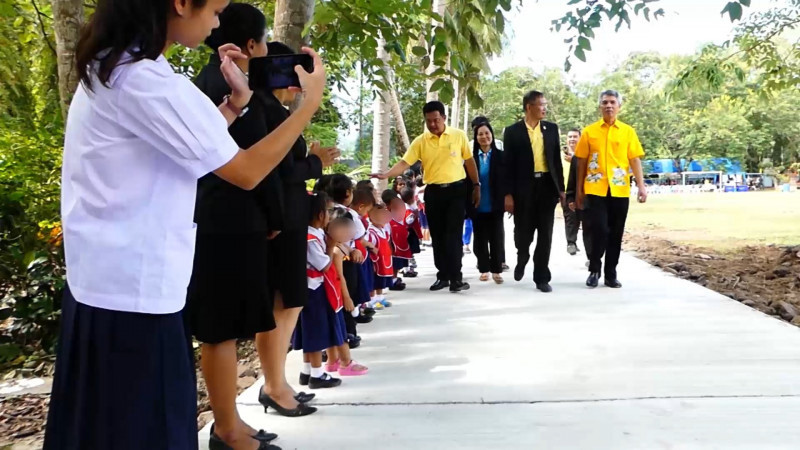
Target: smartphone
(277, 72)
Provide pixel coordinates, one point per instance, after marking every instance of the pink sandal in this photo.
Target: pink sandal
(332, 367)
(353, 370)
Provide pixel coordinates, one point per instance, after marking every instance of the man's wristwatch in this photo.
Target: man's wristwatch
(233, 108)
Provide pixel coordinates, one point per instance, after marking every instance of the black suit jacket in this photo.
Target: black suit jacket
(495, 181)
(517, 178)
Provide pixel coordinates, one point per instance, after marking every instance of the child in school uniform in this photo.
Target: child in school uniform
(414, 229)
(388, 197)
(339, 188)
(401, 250)
(381, 254)
(321, 323)
(363, 202)
(340, 230)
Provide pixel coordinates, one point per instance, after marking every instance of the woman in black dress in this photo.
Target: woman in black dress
(230, 296)
(287, 253)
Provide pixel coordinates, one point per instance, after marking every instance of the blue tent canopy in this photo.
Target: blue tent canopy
(725, 165)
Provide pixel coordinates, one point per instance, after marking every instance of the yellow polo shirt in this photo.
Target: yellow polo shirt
(442, 156)
(537, 146)
(609, 150)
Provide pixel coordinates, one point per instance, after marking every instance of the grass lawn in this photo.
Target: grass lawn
(722, 221)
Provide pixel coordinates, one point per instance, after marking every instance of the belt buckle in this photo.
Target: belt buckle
(538, 174)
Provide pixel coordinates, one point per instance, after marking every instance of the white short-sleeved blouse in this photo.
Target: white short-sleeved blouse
(132, 155)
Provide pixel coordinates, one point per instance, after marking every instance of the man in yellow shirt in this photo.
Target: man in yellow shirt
(445, 155)
(606, 153)
(533, 183)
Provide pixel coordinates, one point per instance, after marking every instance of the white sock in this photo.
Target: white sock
(355, 312)
(306, 370)
(317, 372)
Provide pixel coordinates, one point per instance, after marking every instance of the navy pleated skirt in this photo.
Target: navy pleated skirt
(366, 282)
(319, 327)
(123, 381)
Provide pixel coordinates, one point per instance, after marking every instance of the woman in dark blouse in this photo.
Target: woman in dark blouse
(287, 253)
(231, 292)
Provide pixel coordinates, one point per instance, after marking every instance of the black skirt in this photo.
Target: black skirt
(229, 296)
(123, 381)
(287, 267)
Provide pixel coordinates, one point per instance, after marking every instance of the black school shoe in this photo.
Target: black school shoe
(353, 341)
(363, 318)
(398, 286)
(304, 378)
(458, 286)
(367, 311)
(439, 285)
(324, 382)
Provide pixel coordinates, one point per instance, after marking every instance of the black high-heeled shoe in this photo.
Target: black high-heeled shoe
(216, 443)
(301, 410)
(302, 397)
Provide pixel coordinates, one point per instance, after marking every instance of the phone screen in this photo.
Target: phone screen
(277, 72)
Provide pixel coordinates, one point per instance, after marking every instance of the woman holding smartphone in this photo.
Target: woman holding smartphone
(138, 138)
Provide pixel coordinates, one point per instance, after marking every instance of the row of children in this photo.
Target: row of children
(358, 246)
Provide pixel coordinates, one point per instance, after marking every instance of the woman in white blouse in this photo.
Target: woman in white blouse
(138, 137)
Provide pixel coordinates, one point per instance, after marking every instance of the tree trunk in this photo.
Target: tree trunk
(67, 22)
(455, 109)
(380, 126)
(291, 17)
(399, 122)
(466, 113)
(439, 6)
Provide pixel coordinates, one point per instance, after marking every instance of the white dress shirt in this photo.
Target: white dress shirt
(132, 155)
(316, 256)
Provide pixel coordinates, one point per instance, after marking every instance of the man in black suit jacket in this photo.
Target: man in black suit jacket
(533, 183)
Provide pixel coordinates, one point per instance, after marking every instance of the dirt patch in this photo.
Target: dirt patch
(22, 420)
(23, 417)
(766, 278)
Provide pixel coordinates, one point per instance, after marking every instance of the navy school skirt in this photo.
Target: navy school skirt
(382, 282)
(318, 327)
(366, 282)
(399, 263)
(123, 381)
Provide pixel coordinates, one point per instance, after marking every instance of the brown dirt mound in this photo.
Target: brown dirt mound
(766, 278)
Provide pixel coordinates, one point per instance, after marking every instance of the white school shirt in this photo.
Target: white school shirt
(132, 155)
(316, 256)
(360, 231)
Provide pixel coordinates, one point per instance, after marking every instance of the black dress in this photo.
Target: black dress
(229, 295)
(287, 253)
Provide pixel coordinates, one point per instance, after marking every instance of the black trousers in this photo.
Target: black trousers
(489, 241)
(605, 219)
(533, 213)
(573, 220)
(445, 207)
(572, 223)
(350, 275)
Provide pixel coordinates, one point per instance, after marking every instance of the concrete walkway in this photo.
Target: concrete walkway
(660, 364)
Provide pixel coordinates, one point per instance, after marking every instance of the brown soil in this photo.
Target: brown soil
(22, 417)
(766, 278)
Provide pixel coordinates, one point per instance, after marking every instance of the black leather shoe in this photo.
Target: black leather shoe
(324, 382)
(544, 287)
(519, 272)
(216, 443)
(363, 318)
(439, 285)
(302, 397)
(612, 283)
(353, 341)
(592, 280)
(301, 410)
(304, 380)
(369, 312)
(458, 286)
(398, 286)
(410, 274)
